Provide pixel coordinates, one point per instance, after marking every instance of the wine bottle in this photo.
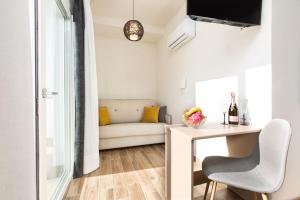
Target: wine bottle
(233, 113)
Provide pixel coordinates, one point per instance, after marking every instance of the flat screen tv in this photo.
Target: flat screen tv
(241, 13)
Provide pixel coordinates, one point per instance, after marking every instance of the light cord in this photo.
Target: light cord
(133, 9)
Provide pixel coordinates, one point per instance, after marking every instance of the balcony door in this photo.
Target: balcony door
(55, 101)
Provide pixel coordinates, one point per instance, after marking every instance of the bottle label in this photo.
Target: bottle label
(233, 119)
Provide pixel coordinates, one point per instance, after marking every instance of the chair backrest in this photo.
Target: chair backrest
(126, 110)
(274, 142)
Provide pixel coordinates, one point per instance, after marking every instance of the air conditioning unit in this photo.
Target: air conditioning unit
(184, 33)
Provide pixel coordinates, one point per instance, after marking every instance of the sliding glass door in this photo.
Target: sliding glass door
(55, 132)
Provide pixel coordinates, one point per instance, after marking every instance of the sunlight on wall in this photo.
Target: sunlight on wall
(213, 96)
(209, 147)
(259, 94)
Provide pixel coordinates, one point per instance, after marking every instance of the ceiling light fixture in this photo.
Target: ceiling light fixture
(133, 29)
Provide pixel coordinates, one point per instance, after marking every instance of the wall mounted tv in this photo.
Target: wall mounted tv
(243, 13)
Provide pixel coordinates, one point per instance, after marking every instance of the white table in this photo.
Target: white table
(180, 156)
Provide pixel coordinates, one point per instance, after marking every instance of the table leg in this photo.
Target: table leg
(168, 163)
(182, 167)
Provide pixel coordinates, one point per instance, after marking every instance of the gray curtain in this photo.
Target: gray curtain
(78, 17)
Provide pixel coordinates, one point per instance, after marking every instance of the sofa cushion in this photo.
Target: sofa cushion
(162, 114)
(131, 129)
(126, 111)
(104, 118)
(151, 114)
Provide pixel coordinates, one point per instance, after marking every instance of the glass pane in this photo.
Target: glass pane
(55, 104)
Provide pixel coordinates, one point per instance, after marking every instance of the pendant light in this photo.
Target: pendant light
(133, 29)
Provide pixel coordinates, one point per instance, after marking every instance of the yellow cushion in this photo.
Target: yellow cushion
(151, 114)
(104, 118)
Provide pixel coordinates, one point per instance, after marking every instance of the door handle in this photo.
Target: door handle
(46, 94)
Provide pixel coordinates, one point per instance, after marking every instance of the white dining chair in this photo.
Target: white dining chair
(263, 171)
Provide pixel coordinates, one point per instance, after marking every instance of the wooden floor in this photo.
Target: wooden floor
(135, 173)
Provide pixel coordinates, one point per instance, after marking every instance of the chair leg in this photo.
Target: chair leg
(206, 190)
(213, 191)
(264, 196)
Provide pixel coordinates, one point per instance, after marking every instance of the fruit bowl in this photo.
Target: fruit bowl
(194, 117)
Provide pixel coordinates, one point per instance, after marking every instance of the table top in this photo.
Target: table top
(212, 130)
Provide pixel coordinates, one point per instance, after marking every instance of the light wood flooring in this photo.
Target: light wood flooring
(135, 173)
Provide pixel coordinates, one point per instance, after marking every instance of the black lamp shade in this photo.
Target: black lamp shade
(133, 30)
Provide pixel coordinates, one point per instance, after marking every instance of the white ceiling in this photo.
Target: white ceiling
(153, 14)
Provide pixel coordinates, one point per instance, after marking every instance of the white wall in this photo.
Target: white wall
(286, 84)
(126, 70)
(17, 132)
(217, 51)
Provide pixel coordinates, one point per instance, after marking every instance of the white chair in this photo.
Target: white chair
(261, 172)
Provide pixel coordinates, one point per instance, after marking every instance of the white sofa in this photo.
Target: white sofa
(126, 128)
